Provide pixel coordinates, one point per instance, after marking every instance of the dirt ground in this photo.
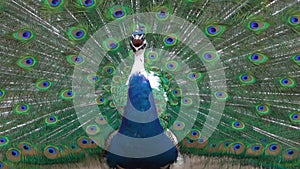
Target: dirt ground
(182, 163)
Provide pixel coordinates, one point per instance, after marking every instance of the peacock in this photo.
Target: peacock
(149, 84)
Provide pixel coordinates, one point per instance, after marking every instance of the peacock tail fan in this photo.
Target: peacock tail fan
(223, 74)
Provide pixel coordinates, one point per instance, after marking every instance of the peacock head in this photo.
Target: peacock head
(138, 39)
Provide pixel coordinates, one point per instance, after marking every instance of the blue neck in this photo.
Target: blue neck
(140, 118)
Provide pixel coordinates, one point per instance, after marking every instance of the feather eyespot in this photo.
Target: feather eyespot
(111, 44)
(257, 58)
(92, 129)
(93, 78)
(178, 125)
(77, 34)
(263, 109)
(287, 82)
(273, 149)
(101, 120)
(194, 76)
(221, 96)
(214, 30)
(118, 12)
(247, 78)
(258, 26)
(162, 13)
(26, 62)
(172, 65)
(101, 100)
(194, 134)
(21, 108)
(170, 40)
(295, 117)
(210, 56)
(43, 85)
(3, 141)
(186, 101)
(51, 152)
(24, 35)
(13, 155)
(255, 150)
(291, 154)
(294, 20)
(238, 125)
(67, 94)
(2, 93)
(237, 148)
(51, 120)
(87, 3)
(85, 142)
(74, 59)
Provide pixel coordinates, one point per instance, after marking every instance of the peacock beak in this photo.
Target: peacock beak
(138, 40)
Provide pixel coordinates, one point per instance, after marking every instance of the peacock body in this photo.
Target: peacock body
(141, 82)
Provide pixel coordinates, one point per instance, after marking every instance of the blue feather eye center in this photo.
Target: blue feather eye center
(254, 25)
(113, 45)
(294, 20)
(237, 146)
(26, 34)
(237, 124)
(245, 77)
(88, 3)
(23, 107)
(285, 81)
(1, 165)
(162, 14)
(255, 57)
(3, 140)
(92, 128)
(190, 141)
(46, 84)
(1, 93)
(194, 133)
(52, 119)
(208, 56)
(256, 147)
(51, 150)
(297, 58)
(55, 3)
(78, 59)
(79, 34)
(261, 107)
(212, 30)
(193, 75)
(26, 147)
(219, 94)
(273, 147)
(201, 140)
(295, 116)
(70, 93)
(290, 152)
(119, 13)
(85, 141)
(29, 61)
(14, 153)
(170, 40)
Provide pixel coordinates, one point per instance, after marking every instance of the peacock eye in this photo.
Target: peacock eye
(118, 12)
(258, 26)
(67, 94)
(214, 30)
(21, 108)
(43, 85)
(77, 34)
(74, 60)
(26, 62)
